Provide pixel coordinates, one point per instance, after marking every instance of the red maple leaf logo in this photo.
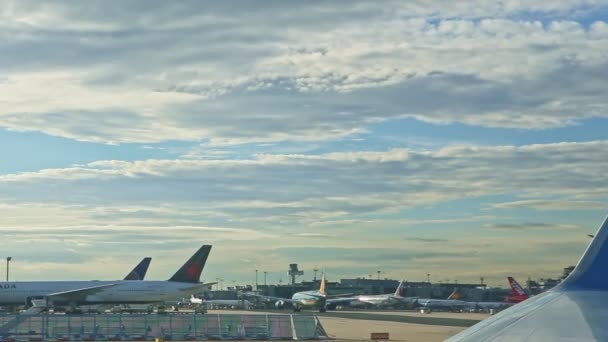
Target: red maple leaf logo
(192, 270)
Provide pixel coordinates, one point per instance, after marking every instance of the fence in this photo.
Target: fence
(134, 327)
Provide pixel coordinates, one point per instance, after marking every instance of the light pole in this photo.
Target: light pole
(315, 270)
(256, 280)
(8, 259)
(265, 278)
(378, 274)
(428, 278)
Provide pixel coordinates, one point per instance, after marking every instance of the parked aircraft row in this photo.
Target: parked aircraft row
(185, 282)
(452, 303)
(321, 300)
(131, 290)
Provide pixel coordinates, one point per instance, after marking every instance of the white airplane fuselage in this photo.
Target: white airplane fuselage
(309, 300)
(123, 292)
(387, 299)
(376, 300)
(449, 304)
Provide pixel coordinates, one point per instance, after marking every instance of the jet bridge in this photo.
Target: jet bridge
(182, 327)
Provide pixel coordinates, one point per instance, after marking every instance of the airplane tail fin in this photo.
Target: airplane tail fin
(590, 272)
(516, 288)
(139, 272)
(455, 294)
(400, 288)
(322, 287)
(191, 271)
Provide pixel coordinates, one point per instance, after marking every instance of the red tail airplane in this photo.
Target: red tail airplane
(518, 294)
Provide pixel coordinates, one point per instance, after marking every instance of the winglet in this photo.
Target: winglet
(139, 272)
(399, 290)
(191, 271)
(590, 272)
(322, 287)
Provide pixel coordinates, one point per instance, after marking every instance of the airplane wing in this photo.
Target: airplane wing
(405, 299)
(195, 287)
(267, 298)
(78, 294)
(575, 310)
(342, 295)
(341, 300)
(447, 303)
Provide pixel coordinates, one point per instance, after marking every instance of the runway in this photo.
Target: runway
(427, 319)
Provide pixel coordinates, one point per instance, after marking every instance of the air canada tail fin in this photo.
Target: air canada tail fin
(322, 287)
(516, 288)
(139, 272)
(191, 271)
(590, 272)
(400, 288)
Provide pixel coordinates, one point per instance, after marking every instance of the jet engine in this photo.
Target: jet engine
(279, 304)
(29, 301)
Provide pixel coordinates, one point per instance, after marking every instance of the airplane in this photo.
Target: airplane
(483, 306)
(222, 302)
(452, 303)
(574, 310)
(139, 272)
(42, 294)
(517, 292)
(379, 300)
(315, 299)
(517, 295)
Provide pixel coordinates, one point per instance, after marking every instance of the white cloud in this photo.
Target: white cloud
(564, 204)
(226, 75)
(129, 74)
(313, 188)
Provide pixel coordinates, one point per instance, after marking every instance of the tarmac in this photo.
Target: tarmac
(410, 326)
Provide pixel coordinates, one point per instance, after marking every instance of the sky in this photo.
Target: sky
(451, 138)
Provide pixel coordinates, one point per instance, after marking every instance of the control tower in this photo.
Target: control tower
(294, 272)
